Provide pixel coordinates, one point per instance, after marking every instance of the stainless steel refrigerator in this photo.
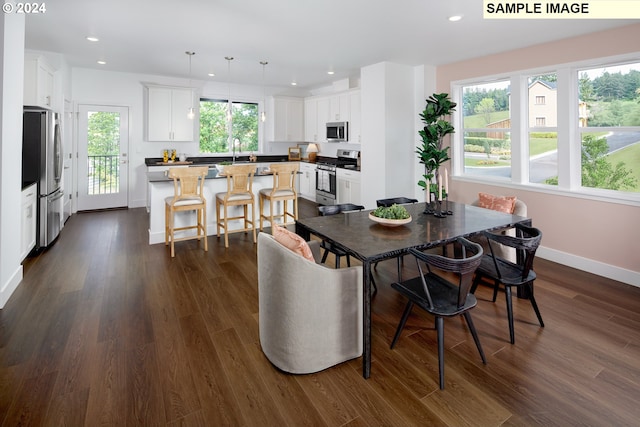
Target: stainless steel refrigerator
(42, 164)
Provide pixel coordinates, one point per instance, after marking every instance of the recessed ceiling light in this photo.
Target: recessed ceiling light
(211, 75)
(455, 18)
(101, 62)
(331, 72)
(93, 39)
(294, 84)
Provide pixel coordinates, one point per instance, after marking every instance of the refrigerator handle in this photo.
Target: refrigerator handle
(58, 152)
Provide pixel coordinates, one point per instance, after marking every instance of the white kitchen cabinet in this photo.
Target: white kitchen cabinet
(324, 116)
(339, 108)
(38, 82)
(348, 186)
(29, 220)
(355, 120)
(167, 109)
(308, 181)
(288, 120)
(311, 133)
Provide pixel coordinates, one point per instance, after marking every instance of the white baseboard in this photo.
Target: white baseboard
(591, 266)
(11, 285)
(140, 203)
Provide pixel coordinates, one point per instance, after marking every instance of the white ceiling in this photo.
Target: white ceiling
(300, 39)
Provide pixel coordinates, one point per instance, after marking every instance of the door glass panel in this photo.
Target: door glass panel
(103, 149)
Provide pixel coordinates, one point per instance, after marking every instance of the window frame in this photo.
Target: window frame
(568, 130)
(244, 100)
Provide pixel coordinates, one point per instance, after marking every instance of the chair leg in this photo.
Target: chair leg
(166, 225)
(507, 291)
(440, 333)
(324, 256)
(534, 304)
(474, 334)
(403, 320)
(400, 269)
(226, 227)
(253, 221)
(496, 287)
(348, 261)
(261, 210)
(337, 261)
(373, 283)
(474, 285)
(204, 229)
(172, 236)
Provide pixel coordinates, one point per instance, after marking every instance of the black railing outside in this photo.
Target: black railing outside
(103, 174)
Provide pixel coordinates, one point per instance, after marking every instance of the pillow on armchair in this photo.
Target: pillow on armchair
(293, 242)
(504, 204)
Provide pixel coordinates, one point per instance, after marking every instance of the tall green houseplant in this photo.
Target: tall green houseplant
(436, 127)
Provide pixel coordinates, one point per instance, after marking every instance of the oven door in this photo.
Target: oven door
(325, 187)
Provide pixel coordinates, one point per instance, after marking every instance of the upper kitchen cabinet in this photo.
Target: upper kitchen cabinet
(38, 82)
(288, 119)
(311, 120)
(167, 109)
(339, 108)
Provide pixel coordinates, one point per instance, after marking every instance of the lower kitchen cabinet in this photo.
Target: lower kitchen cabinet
(308, 181)
(348, 186)
(29, 220)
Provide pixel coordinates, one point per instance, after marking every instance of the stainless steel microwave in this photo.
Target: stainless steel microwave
(337, 131)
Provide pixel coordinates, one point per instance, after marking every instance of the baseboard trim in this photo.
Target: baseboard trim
(10, 286)
(591, 266)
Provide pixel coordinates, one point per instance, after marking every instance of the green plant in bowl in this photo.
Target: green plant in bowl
(391, 212)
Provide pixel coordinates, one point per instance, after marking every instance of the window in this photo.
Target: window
(610, 127)
(215, 127)
(487, 129)
(542, 132)
(576, 128)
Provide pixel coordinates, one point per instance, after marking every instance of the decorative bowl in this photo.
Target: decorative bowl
(389, 222)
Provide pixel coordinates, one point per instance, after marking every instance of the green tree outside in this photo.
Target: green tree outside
(103, 148)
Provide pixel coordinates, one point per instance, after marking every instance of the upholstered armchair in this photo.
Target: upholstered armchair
(310, 316)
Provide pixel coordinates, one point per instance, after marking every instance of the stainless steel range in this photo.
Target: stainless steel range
(326, 174)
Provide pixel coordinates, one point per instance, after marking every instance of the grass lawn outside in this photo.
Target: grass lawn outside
(630, 156)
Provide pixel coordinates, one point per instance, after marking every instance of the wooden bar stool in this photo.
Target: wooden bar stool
(188, 185)
(284, 189)
(239, 193)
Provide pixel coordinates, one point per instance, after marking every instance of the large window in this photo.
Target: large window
(610, 133)
(575, 128)
(487, 129)
(216, 124)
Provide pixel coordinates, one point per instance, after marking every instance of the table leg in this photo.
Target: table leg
(366, 319)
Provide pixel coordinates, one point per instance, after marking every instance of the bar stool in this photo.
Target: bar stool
(188, 185)
(283, 190)
(239, 193)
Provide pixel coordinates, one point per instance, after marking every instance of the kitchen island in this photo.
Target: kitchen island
(160, 187)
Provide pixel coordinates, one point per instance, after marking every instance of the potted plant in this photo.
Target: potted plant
(436, 127)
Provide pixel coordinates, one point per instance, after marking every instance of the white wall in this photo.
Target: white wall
(11, 92)
(388, 131)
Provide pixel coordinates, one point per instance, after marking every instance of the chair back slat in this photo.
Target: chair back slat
(239, 179)
(284, 175)
(188, 183)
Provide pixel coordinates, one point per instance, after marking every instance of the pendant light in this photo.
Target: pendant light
(229, 105)
(192, 111)
(263, 116)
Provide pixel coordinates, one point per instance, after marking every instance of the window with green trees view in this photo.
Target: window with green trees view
(215, 126)
(575, 128)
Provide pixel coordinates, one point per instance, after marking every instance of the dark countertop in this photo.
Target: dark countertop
(205, 160)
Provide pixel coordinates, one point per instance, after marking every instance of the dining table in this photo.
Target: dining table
(370, 242)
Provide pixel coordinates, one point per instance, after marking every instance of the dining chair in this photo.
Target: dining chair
(239, 193)
(434, 292)
(499, 271)
(188, 186)
(329, 247)
(283, 190)
(390, 202)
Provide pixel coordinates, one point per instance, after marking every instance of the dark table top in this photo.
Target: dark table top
(357, 234)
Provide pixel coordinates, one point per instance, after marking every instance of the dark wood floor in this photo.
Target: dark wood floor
(107, 330)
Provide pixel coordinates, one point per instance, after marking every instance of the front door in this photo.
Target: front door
(103, 143)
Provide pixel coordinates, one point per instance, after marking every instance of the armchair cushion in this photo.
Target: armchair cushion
(497, 203)
(292, 241)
